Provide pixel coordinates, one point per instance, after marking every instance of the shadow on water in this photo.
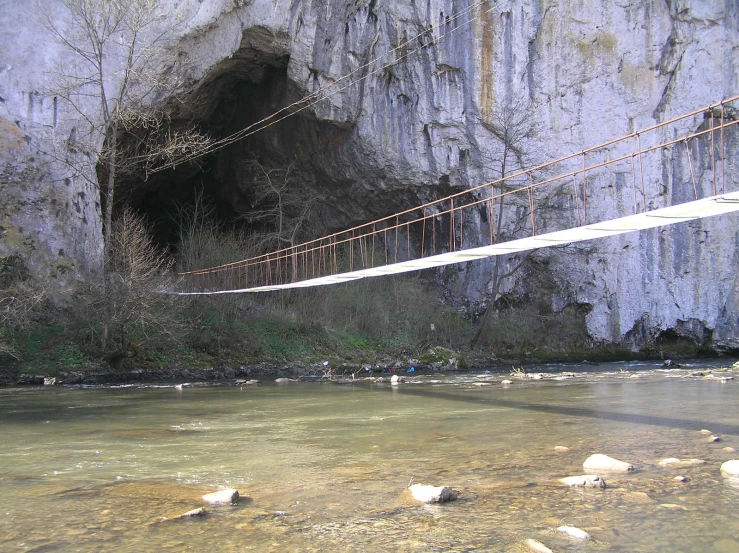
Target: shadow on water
(655, 420)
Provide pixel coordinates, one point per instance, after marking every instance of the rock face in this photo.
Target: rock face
(416, 129)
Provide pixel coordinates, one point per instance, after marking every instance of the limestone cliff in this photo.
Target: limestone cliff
(419, 128)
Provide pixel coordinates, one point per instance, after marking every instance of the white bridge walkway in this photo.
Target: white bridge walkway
(548, 205)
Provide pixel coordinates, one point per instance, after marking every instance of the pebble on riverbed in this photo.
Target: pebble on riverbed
(432, 494)
(585, 480)
(222, 497)
(598, 461)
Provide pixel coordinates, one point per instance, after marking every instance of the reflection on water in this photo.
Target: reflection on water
(323, 467)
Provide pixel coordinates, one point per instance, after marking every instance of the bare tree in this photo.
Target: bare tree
(513, 128)
(119, 70)
(280, 203)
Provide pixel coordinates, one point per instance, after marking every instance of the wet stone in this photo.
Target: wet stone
(586, 481)
(731, 467)
(432, 494)
(222, 497)
(598, 461)
(536, 546)
(574, 532)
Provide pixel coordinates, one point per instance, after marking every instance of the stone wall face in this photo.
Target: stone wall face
(49, 215)
(423, 127)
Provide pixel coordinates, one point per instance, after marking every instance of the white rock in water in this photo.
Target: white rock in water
(199, 512)
(394, 380)
(506, 382)
(729, 449)
(586, 480)
(537, 546)
(561, 448)
(222, 497)
(432, 494)
(599, 461)
(713, 439)
(680, 479)
(731, 467)
(281, 380)
(574, 532)
(704, 431)
(678, 463)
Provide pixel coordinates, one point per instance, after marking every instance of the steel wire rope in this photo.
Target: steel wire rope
(259, 259)
(316, 97)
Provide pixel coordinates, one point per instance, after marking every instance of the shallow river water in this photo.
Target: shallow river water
(325, 466)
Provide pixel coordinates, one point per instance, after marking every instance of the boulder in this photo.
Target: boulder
(599, 461)
(49, 381)
(574, 532)
(395, 379)
(432, 494)
(222, 497)
(731, 467)
(585, 480)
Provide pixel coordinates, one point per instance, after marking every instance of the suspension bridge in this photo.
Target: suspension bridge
(561, 202)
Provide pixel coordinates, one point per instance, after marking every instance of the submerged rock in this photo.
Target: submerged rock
(536, 546)
(731, 467)
(713, 439)
(199, 512)
(561, 448)
(432, 494)
(598, 461)
(680, 463)
(585, 480)
(574, 532)
(222, 497)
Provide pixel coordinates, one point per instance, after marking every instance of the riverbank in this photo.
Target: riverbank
(518, 369)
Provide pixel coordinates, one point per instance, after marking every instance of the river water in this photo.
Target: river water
(325, 467)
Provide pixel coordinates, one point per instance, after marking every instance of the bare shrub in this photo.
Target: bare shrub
(131, 304)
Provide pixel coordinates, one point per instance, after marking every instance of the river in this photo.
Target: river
(324, 467)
